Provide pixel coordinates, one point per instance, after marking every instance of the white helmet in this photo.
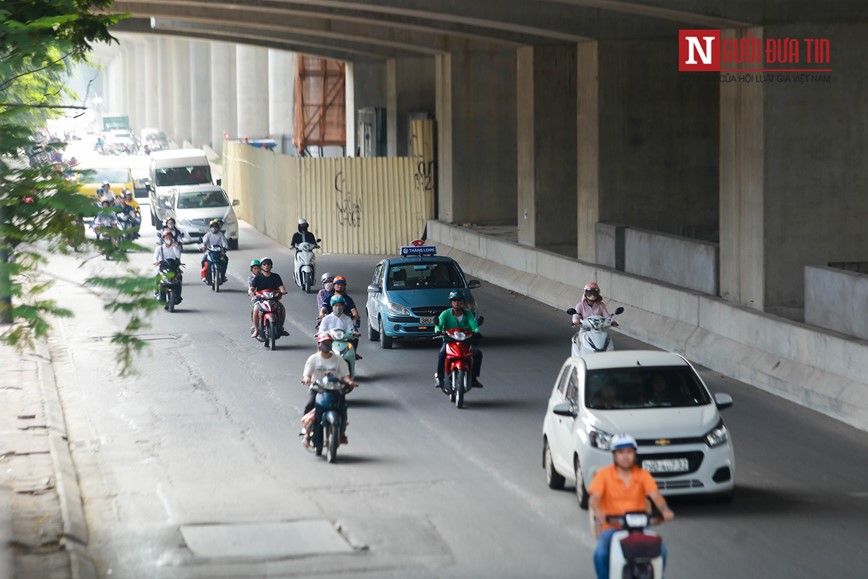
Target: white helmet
(302, 221)
(623, 441)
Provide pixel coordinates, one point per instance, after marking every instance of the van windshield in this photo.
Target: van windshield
(202, 199)
(193, 175)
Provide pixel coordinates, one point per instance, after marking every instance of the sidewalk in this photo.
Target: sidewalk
(43, 532)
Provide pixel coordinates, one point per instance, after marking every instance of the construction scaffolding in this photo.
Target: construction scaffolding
(320, 104)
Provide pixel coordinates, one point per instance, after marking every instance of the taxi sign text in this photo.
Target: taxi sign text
(413, 250)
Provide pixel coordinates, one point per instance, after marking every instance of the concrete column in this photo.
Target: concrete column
(415, 95)
(200, 93)
(525, 146)
(113, 101)
(183, 87)
(391, 108)
(166, 86)
(587, 149)
(223, 94)
(443, 111)
(149, 83)
(350, 109)
(139, 84)
(252, 90)
(282, 70)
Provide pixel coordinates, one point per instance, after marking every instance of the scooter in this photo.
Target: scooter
(170, 283)
(325, 422)
(269, 318)
(342, 346)
(305, 265)
(459, 364)
(635, 552)
(592, 336)
(213, 262)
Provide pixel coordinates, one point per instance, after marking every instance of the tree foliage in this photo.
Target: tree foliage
(41, 211)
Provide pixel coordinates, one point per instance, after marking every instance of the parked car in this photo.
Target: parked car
(656, 397)
(194, 206)
(408, 294)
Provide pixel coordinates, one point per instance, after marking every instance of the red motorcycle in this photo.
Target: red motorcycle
(459, 364)
(269, 317)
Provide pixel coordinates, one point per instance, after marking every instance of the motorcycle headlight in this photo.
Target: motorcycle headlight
(396, 309)
(599, 439)
(719, 435)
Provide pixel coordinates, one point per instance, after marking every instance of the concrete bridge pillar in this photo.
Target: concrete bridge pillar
(166, 86)
(282, 69)
(251, 72)
(546, 133)
(183, 87)
(224, 113)
(149, 84)
(200, 93)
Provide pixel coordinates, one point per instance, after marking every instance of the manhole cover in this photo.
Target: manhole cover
(265, 540)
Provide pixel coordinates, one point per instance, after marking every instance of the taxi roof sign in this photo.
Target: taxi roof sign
(418, 250)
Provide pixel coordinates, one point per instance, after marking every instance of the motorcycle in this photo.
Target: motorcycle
(459, 364)
(592, 336)
(635, 552)
(305, 265)
(109, 233)
(325, 422)
(269, 318)
(213, 263)
(342, 346)
(170, 282)
(126, 224)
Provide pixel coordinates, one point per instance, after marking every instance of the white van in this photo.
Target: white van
(170, 169)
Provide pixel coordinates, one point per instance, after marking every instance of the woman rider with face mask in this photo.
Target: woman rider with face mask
(591, 305)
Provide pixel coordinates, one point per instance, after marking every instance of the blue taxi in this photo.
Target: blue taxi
(409, 292)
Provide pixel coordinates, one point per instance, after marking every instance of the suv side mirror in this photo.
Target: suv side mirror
(219, 182)
(722, 400)
(236, 202)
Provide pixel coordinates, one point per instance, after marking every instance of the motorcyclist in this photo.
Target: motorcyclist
(340, 289)
(130, 208)
(302, 235)
(107, 218)
(176, 233)
(166, 251)
(591, 305)
(617, 489)
(255, 269)
(337, 319)
(325, 293)
(107, 192)
(266, 280)
(317, 367)
(215, 236)
(457, 317)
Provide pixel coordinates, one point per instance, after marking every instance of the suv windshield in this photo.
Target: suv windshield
(440, 274)
(644, 387)
(202, 199)
(171, 176)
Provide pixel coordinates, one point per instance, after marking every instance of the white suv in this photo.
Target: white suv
(656, 397)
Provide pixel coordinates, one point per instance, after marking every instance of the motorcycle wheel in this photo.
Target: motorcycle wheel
(333, 440)
(215, 278)
(458, 386)
(170, 300)
(271, 336)
(318, 446)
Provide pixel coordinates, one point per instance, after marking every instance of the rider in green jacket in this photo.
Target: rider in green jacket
(457, 317)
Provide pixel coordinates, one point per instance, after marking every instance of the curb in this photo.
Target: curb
(75, 537)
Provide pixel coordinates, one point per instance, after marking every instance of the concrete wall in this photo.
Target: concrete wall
(659, 139)
(816, 138)
(836, 300)
(415, 87)
(671, 259)
(821, 370)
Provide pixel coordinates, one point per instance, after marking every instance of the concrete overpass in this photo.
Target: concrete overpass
(567, 124)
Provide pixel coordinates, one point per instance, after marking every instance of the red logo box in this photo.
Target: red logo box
(698, 50)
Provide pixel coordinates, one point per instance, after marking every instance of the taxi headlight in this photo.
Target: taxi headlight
(396, 309)
(719, 435)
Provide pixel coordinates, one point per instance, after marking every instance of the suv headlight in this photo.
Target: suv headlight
(396, 309)
(230, 219)
(719, 435)
(599, 439)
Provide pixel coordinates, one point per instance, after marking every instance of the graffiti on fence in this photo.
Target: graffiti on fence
(349, 208)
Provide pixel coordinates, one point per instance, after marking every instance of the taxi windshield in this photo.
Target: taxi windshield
(424, 276)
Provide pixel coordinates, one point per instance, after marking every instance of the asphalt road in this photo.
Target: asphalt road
(206, 435)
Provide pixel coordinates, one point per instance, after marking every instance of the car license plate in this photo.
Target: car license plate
(426, 320)
(666, 465)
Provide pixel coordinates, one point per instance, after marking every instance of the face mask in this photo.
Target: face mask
(329, 287)
(324, 347)
(338, 310)
(591, 298)
(214, 230)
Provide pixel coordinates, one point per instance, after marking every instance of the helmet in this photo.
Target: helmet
(337, 300)
(323, 337)
(255, 263)
(455, 295)
(107, 184)
(106, 200)
(592, 287)
(266, 261)
(127, 192)
(167, 233)
(623, 441)
(325, 277)
(302, 224)
(215, 223)
(340, 279)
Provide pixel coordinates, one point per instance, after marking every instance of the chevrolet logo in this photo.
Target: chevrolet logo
(662, 441)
